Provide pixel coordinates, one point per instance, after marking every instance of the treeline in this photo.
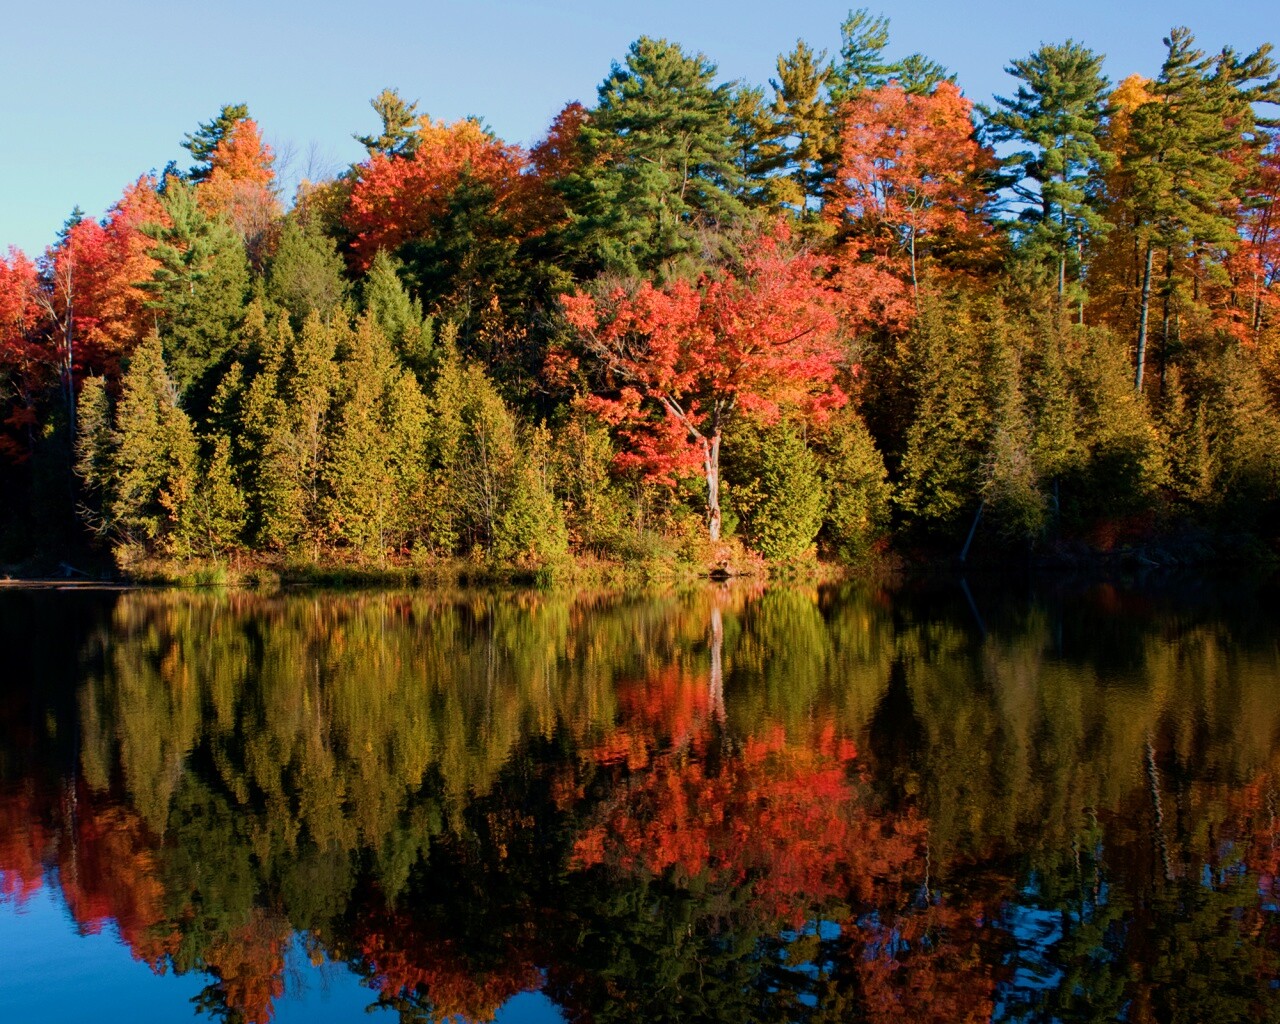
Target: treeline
(848, 312)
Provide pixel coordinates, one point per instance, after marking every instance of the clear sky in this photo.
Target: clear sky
(97, 92)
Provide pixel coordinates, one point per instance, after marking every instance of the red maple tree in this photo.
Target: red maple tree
(679, 359)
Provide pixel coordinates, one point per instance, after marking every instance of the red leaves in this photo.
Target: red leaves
(24, 363)
(397, 199)
(909, 179)
(679, 358)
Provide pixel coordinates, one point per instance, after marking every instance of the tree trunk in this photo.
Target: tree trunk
(915, 287)
(711, 465)
(1164, 322)
(1143, 313)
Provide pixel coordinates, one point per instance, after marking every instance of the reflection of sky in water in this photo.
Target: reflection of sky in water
(49, 974)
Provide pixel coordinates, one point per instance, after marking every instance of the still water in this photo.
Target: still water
(937, 803)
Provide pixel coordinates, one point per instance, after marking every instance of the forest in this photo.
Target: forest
(702, 325)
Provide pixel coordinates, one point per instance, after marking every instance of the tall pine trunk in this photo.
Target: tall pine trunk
(1143, 316)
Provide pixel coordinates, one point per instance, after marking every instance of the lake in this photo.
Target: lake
(942, 801)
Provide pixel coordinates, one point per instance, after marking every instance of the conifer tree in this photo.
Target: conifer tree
(805, 121)
(143, 468)
(199, 285)
(776, 489)
(1010, 486)
(1244, 431)
(306, 271)
(400, 120)
(859, 496)
(204, 141)
(861, 64)
(399, 316)
(1182, 167)
(1123, 462)
(756, 147)
(1056, 118)
(218, 511)
(659, 167)
(938, 476)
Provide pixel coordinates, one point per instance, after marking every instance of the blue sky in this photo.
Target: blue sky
(97, 91)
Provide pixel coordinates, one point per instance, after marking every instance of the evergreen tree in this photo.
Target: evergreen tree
(861, 64)
(375, 460)
(398, 136)
(306, 271)
(776, 489)
(659, 168)
(805, 121)
(399, 316)
(938, 367)
(218, 512)
(143, 468)
(200, 284)
(1244, 437)
(757, 149)
(858, 492)
(1122, 462)
(1010, 487)
(494, 491)
(1183, 166)
(1056, 117)
(204, 141)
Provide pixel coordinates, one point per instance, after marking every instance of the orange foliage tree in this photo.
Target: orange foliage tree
(397, 199)
(24, 357)
(239, 181)
(678, 360)
(908, 185)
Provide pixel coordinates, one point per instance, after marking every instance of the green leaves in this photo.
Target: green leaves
(659, 167)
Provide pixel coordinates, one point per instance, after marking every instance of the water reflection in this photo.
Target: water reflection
(729, 804)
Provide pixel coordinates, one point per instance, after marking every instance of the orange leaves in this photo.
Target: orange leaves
(908, 185)
(396, 199)
(239, 181)
(679, 358)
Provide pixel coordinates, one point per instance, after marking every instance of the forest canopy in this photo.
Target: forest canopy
(699, 321)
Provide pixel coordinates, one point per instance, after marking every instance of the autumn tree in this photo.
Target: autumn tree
(453, 214)
(909, 187)
(679, 360)
(24, 365)
(239, 184)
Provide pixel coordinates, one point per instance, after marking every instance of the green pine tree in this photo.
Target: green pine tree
(200, 285)
(399, 316)
(659, 169)
(1056, 119)
(306, 272)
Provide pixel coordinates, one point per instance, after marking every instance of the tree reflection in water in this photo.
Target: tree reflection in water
(726, 804)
